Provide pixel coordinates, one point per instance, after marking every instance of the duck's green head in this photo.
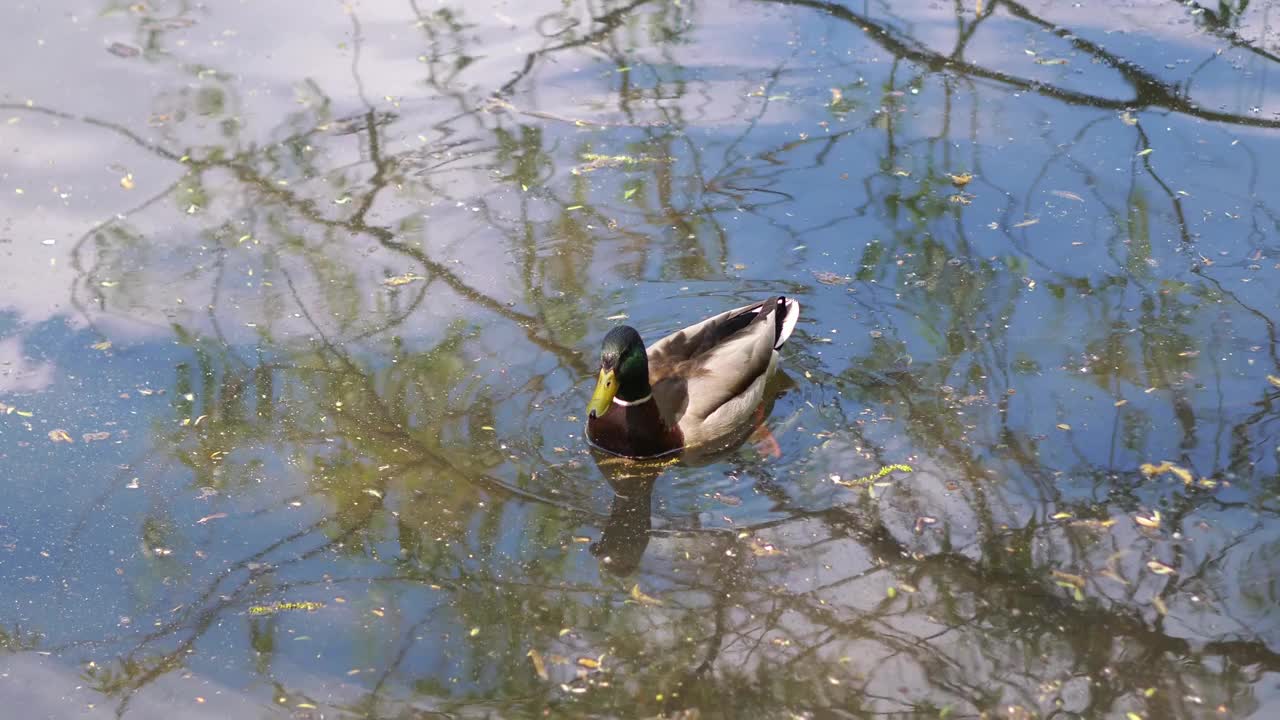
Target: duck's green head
(624, 370)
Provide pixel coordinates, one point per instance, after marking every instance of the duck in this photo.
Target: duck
(693, 388)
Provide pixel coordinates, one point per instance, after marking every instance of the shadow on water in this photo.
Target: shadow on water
(297, 327)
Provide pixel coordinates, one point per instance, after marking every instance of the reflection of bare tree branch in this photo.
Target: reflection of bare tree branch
(1148, 90)
(1214, 24)
(608, 22)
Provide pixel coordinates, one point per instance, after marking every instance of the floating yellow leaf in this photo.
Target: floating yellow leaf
(539, 667)
(1165, 466)
(641, 598)
(1148, 521)
(1132, 716)
(60, 436)
(1160, 568)
(1067, 194)
(1112, 575)
(867, 479)
(1063, 426)
(1060, 516)
(126, 182)
(1076, 593)
(1128, 118)
(405, 279)
(11, 410)
(1144, 153)
(104, 345)
(589, 663)
(961, 179)
(1158, 603)
(1027, 223)
(1274, 380)
(475, 631)
(308, 606)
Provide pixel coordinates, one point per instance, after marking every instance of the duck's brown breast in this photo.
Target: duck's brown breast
(634, 431)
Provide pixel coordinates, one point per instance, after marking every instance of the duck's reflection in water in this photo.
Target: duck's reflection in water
(626, 533)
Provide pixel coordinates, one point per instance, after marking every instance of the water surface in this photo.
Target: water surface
(301, 303)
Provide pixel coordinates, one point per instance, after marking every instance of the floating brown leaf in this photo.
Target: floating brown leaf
(1068, 578)
(763, 549)
(830, 278)
(60, 436)
(119, 49)
(729, 500)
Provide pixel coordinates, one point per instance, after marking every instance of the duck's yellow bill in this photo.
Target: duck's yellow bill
(602, 398)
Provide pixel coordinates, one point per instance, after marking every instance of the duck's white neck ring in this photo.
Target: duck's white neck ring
(629, 403)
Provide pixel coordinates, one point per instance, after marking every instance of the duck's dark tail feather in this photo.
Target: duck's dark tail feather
(786, 315)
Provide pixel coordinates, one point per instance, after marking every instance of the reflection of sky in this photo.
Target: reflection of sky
(86, 163)
(1024, 147)
(45, 688)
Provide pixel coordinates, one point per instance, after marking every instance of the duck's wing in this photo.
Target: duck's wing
(698, 370)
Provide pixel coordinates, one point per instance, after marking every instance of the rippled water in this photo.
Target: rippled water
(301, 305)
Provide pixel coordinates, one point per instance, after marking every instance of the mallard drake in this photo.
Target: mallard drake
(693, 387)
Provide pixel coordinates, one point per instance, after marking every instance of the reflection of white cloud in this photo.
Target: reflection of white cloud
(727, 55)
(17, 373)
(47, 688)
